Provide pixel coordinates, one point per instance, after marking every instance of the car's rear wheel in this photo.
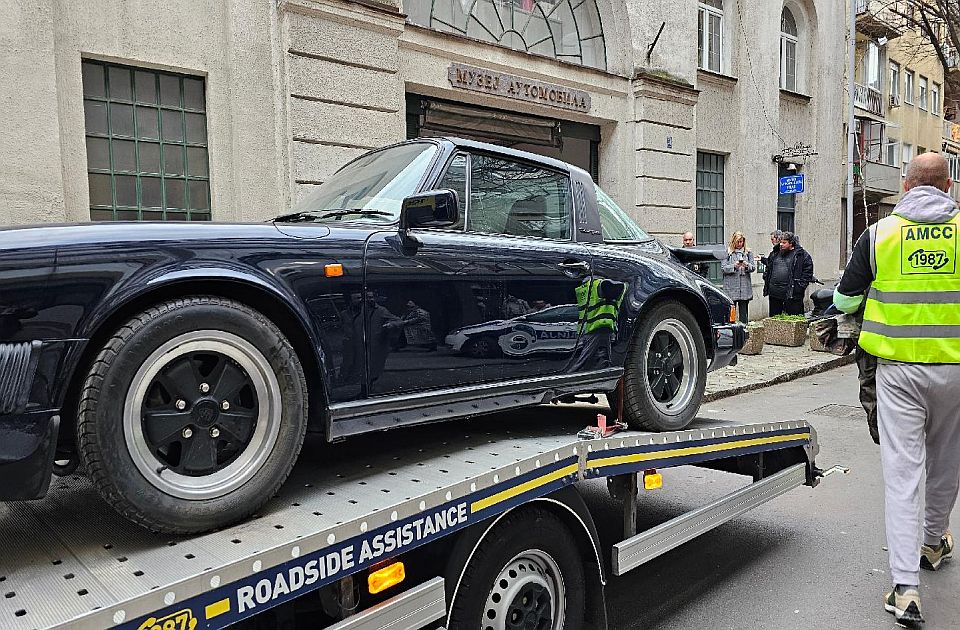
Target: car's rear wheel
(192, 415)
(665, 373)
(483, 347)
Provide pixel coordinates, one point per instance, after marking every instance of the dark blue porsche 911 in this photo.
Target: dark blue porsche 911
(181, 364)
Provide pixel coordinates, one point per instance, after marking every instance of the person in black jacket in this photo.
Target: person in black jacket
(789, 271)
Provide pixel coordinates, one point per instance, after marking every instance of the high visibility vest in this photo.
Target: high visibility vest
(595, 312)
(913, 307)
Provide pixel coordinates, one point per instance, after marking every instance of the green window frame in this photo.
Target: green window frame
(710, 167)
(146, 137)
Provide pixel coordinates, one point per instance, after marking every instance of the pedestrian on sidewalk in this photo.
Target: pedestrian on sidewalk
(775, 243)
(697, 268)
(789, 271)
(737, 278)
(908, 261)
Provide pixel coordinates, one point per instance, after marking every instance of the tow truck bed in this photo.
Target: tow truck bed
(71, 560)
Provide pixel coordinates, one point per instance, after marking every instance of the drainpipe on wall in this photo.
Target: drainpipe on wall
(851, 128)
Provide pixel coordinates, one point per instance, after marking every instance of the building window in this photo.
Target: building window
(569, 30)
(935, 100)
(710, 204)
(907, 156)
(789, 38)
(894, 82)
(923, 92)
(146, 134)
(953, 162)
(908, 87)
(872, 73)
(786, 204)
(892, 154)
(710, 35)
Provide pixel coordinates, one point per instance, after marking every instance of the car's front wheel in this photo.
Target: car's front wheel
(192, 414)
(665, 373)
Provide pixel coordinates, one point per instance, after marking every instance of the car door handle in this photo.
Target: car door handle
(579, 266)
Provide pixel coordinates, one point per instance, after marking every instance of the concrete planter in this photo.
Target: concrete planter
(755, 340)
(780, 332)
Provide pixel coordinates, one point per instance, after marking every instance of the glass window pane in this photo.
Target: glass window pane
(176, 216)
(454, 179)
(199, 195)
(196, 128)
(121, 119)
(146, 87)
(101, 215)
(150, 192)
(98, 153)
(128, 215)
(197, 162)
(92, 74)
(193, 94)
(169, 90)
(148, 123)
(171, 125)
(125, 155)
(149, 215)
(173, 159)
(95, 116)
(175, 193)
(149, 157)
(126, 190)
(120, 87)
(100, 191)
(199, 216)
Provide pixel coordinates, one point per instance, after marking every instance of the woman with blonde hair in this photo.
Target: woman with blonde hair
(737, 282)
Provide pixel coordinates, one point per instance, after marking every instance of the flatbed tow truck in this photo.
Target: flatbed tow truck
(467, 524)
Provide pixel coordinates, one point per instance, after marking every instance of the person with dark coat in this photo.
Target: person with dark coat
(789, 271)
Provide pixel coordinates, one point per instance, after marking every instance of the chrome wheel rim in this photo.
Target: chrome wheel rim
(232, 430)
(671, 366)
(528, 594)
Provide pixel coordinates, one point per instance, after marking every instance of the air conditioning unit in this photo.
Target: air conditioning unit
(894, 100)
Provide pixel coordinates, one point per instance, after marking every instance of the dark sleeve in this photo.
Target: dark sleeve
(858, 275)
(806, 270)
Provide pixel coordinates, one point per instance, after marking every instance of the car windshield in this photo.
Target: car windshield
(371, 188)
(617, 224)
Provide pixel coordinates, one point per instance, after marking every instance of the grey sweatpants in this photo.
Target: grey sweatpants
(918, 409)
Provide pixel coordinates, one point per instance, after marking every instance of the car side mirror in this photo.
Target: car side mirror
(434, 208)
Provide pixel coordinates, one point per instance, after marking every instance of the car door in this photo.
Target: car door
(511, 257)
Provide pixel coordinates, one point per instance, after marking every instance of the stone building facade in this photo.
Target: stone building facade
(232, 110)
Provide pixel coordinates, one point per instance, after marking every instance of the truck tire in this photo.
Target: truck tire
(192, 414)
(666, 370)
(526, 573)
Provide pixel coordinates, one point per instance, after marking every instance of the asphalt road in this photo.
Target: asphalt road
(813, 558)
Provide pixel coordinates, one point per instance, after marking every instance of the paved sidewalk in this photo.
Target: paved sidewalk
(776, 364)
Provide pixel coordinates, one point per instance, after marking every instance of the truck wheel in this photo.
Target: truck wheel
(666, 370)
(526, 574)
(192, 414)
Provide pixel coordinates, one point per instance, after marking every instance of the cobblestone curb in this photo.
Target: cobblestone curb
(781, 378)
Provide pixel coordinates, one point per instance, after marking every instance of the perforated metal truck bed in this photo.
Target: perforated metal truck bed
(70, 560)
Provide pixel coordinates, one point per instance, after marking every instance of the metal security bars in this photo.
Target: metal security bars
(710, 204)
(146, 135)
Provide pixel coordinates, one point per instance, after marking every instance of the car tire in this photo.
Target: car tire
(527, 568)
(241, 432)
(666, 370)
(483, 347)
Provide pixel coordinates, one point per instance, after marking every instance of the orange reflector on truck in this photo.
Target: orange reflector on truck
(652, 480)
(382, 579)
(333, 271)
(733, 313)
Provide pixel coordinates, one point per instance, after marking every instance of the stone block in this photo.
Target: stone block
(315, 35)
(339, 124)
(333, 82)
(315, 163)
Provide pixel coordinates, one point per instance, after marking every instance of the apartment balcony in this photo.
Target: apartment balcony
(868, 99)
(880, 180)
(876, 21)
(951, 131)
(953, 60)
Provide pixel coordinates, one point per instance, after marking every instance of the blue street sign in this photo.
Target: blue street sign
(791, 184)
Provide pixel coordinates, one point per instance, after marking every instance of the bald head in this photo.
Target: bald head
(928, 169)
(688, 240)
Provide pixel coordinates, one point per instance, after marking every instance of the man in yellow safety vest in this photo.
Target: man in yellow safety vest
(598, 307)
(906, 267)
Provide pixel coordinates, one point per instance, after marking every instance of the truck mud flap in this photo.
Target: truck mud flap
(645, 546)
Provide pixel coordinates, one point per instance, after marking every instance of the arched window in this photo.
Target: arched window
(710, 35)
(569, 30)
(789, 40)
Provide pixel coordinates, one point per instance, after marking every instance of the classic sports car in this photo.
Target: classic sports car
(181, 364)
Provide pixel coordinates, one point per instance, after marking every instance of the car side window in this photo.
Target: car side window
(508, 197)
(455, 179)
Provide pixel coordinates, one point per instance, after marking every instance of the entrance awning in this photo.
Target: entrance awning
(455, 120)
